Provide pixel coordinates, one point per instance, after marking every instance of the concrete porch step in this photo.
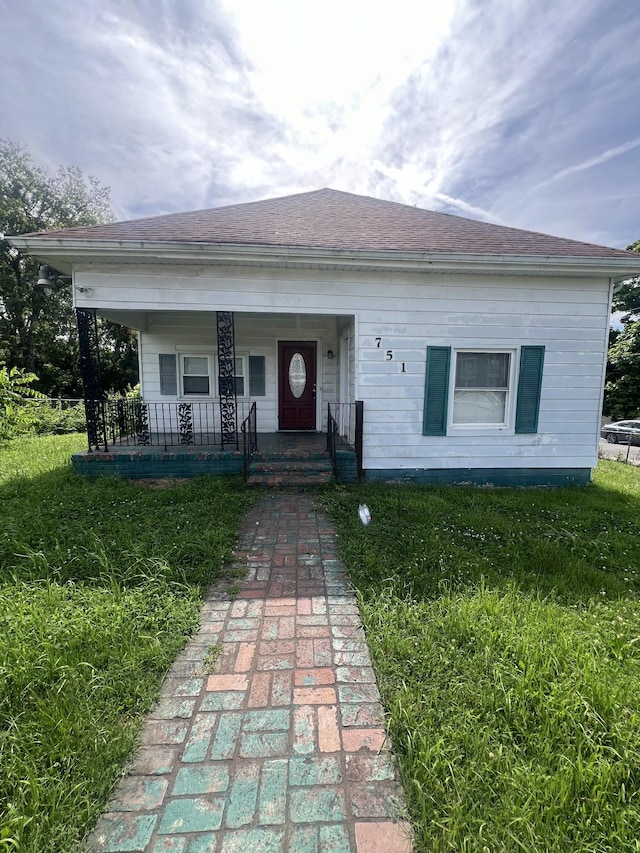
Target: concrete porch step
(288, 471)
(283, 456)
(278, 466)
(289, 479)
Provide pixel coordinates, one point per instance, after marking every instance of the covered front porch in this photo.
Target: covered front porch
(225, 392)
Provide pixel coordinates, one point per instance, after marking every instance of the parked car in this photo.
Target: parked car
(621, 432)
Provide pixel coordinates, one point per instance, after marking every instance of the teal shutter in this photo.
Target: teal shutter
(256, 376)
(168, 375)
(436, 391)
(529, 387)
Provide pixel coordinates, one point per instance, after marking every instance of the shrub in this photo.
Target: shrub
(50, 420)
(17, 401)
(24, 411)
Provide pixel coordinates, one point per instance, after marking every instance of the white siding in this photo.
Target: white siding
(408, 312)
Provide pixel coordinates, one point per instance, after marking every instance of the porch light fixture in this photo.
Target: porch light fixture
(45, 281)
(330, 354)
(50, 281)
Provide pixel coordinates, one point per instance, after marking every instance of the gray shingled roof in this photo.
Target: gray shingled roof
(330, 219)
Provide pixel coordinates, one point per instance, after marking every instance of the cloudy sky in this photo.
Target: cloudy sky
(521, 112)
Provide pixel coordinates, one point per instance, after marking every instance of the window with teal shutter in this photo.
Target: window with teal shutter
(436, 391)
(529, 387)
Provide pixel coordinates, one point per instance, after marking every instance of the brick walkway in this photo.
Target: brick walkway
(281, 747)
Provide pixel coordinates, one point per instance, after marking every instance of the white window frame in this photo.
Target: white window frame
(507, 427)
(182, 354)
(212, 364)
(244, 358)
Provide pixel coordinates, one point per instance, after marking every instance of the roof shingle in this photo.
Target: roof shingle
(331, 219)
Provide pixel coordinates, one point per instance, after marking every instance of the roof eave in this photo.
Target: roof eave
(62, 253)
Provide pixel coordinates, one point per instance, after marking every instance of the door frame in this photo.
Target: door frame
(290, 339)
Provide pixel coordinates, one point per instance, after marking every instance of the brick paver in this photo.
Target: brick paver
(282, 748)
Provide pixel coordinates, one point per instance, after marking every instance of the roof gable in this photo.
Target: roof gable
(331, 219)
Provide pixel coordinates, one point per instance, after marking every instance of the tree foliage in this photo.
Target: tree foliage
(622, 389)
(38, 332)
(17, 398)
(627, 298)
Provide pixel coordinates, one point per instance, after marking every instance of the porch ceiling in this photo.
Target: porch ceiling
(139, 320)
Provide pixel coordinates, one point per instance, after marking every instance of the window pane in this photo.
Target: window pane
(238, 368)
(482, 370)
(479, 407)
(196, 364)
(239, 386)
(196, 384)
(297, 375)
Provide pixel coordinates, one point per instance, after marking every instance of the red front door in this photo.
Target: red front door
(297, 385)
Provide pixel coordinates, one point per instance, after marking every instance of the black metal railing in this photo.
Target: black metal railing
(359, 437)
(132, 422)
(249, 430)
(344, 416)
(332, 438)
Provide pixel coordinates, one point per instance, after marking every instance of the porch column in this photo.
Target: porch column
(92, 391)
(226, 378)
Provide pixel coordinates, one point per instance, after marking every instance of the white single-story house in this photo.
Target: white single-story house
(475, 352)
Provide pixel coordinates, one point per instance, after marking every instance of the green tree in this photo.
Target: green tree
(37, 332)
(622, 388)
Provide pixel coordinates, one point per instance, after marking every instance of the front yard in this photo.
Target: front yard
(504, 626)
(100, 584)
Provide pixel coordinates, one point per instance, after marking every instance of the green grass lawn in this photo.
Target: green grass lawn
(504, 626)
(101, 583)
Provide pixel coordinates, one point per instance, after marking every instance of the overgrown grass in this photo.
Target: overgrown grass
(504, 626)
(100, 585)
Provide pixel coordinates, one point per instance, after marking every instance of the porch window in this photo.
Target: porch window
(196, 373)
(240, 372)
(199, 372)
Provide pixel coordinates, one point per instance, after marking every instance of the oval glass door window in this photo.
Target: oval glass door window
(297, 375)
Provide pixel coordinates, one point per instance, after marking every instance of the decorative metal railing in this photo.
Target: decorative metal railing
(133, 422)
(249, 430)
(345, 425)
(359, 437)
(332, 437)
(344, 416)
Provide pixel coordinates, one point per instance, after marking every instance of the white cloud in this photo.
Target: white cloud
(590, 163)
(509, 110)
(307, 56)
